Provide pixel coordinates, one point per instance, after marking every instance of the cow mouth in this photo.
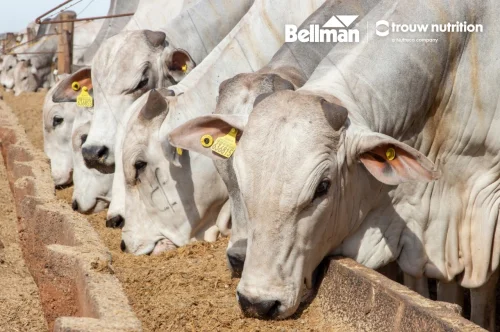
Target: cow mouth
(68, 183)
(64, 185)
(101, 167)
(162, 245)
(94, 209)
(317, 277)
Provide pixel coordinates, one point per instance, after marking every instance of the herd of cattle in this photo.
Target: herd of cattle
(377, 150)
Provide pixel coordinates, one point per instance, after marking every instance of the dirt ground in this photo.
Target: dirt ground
(188, 289)
(20, 306)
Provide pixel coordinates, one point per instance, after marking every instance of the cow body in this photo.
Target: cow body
(148, 16)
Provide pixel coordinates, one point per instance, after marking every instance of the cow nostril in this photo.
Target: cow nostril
(74, 205)
(123, 247)
(115, 222)
(102, 152)
(236, 257)
(236, 264)
(95, 153)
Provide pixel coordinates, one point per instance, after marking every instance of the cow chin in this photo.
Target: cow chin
(95, 207)
(63, 181)
(147, 247)
(162, 246)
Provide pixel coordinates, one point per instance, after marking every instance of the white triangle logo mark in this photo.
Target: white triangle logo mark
(333, 23)
(347, 19)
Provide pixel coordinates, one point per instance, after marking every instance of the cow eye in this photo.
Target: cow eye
(83, 138)
(139, 167)
(56, 121)
(25, 78)
(142, 84)
(322, 188)
(10, 67)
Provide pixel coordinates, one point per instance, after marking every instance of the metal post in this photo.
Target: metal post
(11, 39)
(29, 35)
(65, 47)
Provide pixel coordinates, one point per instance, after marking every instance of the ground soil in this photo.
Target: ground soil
(20, 306)
(188, 289)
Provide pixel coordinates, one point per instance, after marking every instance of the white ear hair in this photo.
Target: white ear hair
(33, 69)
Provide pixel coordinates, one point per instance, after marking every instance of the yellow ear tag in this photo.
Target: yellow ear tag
(184, 68)
(84, 99)
(207, 141)
(179, 151)
(75, 86)
(226, 145)
(390, 154)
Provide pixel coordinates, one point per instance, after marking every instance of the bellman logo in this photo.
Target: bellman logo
(336, 30)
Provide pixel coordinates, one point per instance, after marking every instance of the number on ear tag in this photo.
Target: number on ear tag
(84, 99)
(226, 145)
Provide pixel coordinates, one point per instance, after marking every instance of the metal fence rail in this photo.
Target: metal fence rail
(64, 30)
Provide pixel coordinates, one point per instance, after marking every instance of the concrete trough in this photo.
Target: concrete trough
(73, 271)
(69, 263)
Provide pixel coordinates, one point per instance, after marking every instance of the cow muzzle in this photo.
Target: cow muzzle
(115, 222)
(263, 309)
(97, 156)
(163, 245)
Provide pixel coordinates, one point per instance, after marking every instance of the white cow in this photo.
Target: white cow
(289, 69)
(92, 189)
(345, 170)
(65, 128)
(7, 74)
(131, 63)
(57, 127)
(179, 197)
(35, 71)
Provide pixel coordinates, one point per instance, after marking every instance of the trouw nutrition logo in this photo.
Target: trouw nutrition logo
(336, 30)
(383, 27)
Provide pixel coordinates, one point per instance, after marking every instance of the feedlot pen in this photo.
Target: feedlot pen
(186, 289)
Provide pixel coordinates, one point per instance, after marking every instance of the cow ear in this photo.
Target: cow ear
(70, 87)
(393, 162)
(60, 77)
(199, 134)
(155, 105)
(155, 38)
(178, 63)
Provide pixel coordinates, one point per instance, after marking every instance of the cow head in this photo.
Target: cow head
(57, 126)
(236, 96)
(125, 67)
(170, 197)
(25, 77)
(92, 189)
(7, 74)
(307, 178)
